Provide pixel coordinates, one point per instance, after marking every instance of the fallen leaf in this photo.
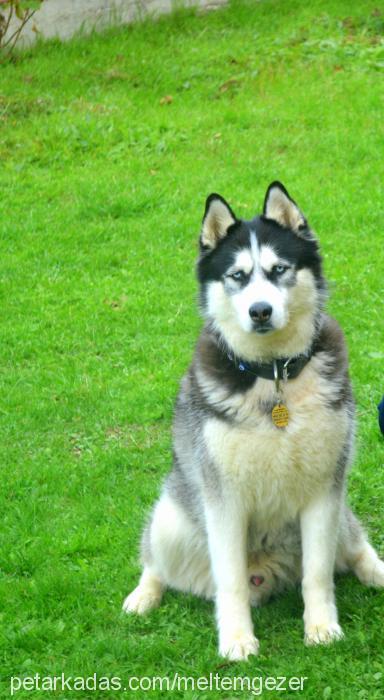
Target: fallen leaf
(166, 100)
(232, 82)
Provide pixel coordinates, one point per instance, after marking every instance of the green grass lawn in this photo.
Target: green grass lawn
(103, 185)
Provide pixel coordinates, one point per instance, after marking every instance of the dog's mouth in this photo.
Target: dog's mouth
(262, 330)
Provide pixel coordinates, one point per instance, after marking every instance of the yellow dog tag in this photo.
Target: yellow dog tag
(280, 415)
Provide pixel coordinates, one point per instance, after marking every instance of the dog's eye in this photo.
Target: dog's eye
(279, 269)
(239, 275)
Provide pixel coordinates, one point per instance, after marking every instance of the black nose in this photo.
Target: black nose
(260, 312)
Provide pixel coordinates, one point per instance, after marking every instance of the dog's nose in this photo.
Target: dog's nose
(261, 311)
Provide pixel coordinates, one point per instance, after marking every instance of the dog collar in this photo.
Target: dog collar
(282, 368)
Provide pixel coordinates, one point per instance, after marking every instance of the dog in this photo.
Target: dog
(263, 436)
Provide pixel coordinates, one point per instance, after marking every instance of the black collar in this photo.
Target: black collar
(287, 367)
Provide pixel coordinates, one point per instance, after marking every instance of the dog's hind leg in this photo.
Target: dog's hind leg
(355, 553)
(174, 553)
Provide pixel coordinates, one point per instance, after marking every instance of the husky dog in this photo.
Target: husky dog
(263, 436)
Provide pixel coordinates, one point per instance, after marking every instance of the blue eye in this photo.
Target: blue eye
(279, 269)
(238, 275)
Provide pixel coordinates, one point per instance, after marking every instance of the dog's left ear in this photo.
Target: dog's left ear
(280, 207)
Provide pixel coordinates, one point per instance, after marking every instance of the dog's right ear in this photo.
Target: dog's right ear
(218, 217)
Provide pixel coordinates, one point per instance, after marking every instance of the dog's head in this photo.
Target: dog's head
(260, 279)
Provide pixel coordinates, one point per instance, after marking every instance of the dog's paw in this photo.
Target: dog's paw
(323, 634)
(239, 646)
(377, 577)
(141, 601)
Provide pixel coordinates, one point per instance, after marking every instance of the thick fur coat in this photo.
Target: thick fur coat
(248, 507)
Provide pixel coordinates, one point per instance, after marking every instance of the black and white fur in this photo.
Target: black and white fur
(246, 499)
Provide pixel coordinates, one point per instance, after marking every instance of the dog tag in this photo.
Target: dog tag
(280, 415)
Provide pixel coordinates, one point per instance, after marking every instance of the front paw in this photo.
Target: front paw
(323, 633)
(238, 646)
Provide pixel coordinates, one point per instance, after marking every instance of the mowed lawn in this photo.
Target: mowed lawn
(109, 146)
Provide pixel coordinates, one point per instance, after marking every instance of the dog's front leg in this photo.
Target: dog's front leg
(227, 525)
(319, 532)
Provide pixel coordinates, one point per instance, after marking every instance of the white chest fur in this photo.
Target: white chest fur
(277, 470)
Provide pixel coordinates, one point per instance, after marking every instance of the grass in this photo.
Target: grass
(102, 191)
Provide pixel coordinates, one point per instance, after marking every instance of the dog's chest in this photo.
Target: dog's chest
(277, 470)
